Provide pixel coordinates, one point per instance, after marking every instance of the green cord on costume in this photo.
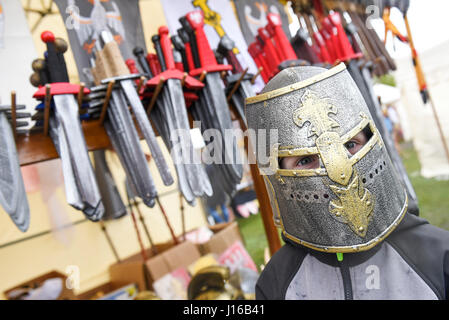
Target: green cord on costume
(340, 256)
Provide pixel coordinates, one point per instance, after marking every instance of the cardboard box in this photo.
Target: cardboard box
(222, 239)
(133, 270)
(143, 274)
(66, 294)
(182, 255)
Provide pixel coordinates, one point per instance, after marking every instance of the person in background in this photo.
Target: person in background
(396, 131)
(218, 200)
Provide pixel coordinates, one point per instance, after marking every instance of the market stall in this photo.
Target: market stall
(126, 116)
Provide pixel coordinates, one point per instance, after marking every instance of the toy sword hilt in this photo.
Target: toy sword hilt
(181, 48)
(160, 54)
(206, 55)
(225, 48)
(207, 58)
(166, 47)
(139, 53)
(275, 22)
(57, 69)
(188, 33)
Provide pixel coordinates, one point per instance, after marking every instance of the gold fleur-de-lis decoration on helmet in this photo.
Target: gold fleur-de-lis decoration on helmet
(355, 205)
(315, 111)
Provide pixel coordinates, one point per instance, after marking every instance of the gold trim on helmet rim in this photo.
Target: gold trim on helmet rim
(296, 86)
(296, 151)
(302, 173)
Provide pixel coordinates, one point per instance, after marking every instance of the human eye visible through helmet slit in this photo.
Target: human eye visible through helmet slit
(317, 160)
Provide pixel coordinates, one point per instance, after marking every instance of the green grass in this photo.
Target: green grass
(255, 239)
(433, 195)
(433, 198)
(387, 79)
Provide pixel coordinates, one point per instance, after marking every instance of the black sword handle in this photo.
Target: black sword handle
(192, 40)
(157, 46)
(180, 47)
(139, 53)
(184, 36)
(56, 66)
(225, 48)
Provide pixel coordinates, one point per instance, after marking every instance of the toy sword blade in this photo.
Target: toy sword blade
(213, 94)
(127, 87)
(66, 115)
(12, 190)
(196, 175)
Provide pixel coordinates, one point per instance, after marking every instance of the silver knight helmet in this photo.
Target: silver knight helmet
(348, 201)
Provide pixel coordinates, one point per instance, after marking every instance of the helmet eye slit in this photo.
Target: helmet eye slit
(301, 162)
(308, 160)
(355, 144)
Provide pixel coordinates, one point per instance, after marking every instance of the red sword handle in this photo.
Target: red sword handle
(196, 21)
(275, 22)
(166, 46)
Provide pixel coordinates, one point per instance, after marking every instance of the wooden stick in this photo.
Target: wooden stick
(421, 80)
(175, 240)
(440, 129)
(236, 85)
(108, 238)
(106, 101)
(155, 95)
(145, 228)
(139, 238)
(337, 62)
(183, 218)
(223, 75)
(81, 95)
(47, 100)
(13, 114)
(141, 82)
(202, 76)
(256, 75)
(183, 80)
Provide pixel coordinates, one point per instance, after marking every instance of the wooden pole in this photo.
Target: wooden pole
(183, 218)
(47, 108)
(13, 114)
(175, 240)
(108, 238)
(155, 95)
(106, 101)
(422, 82)
(145, 228)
